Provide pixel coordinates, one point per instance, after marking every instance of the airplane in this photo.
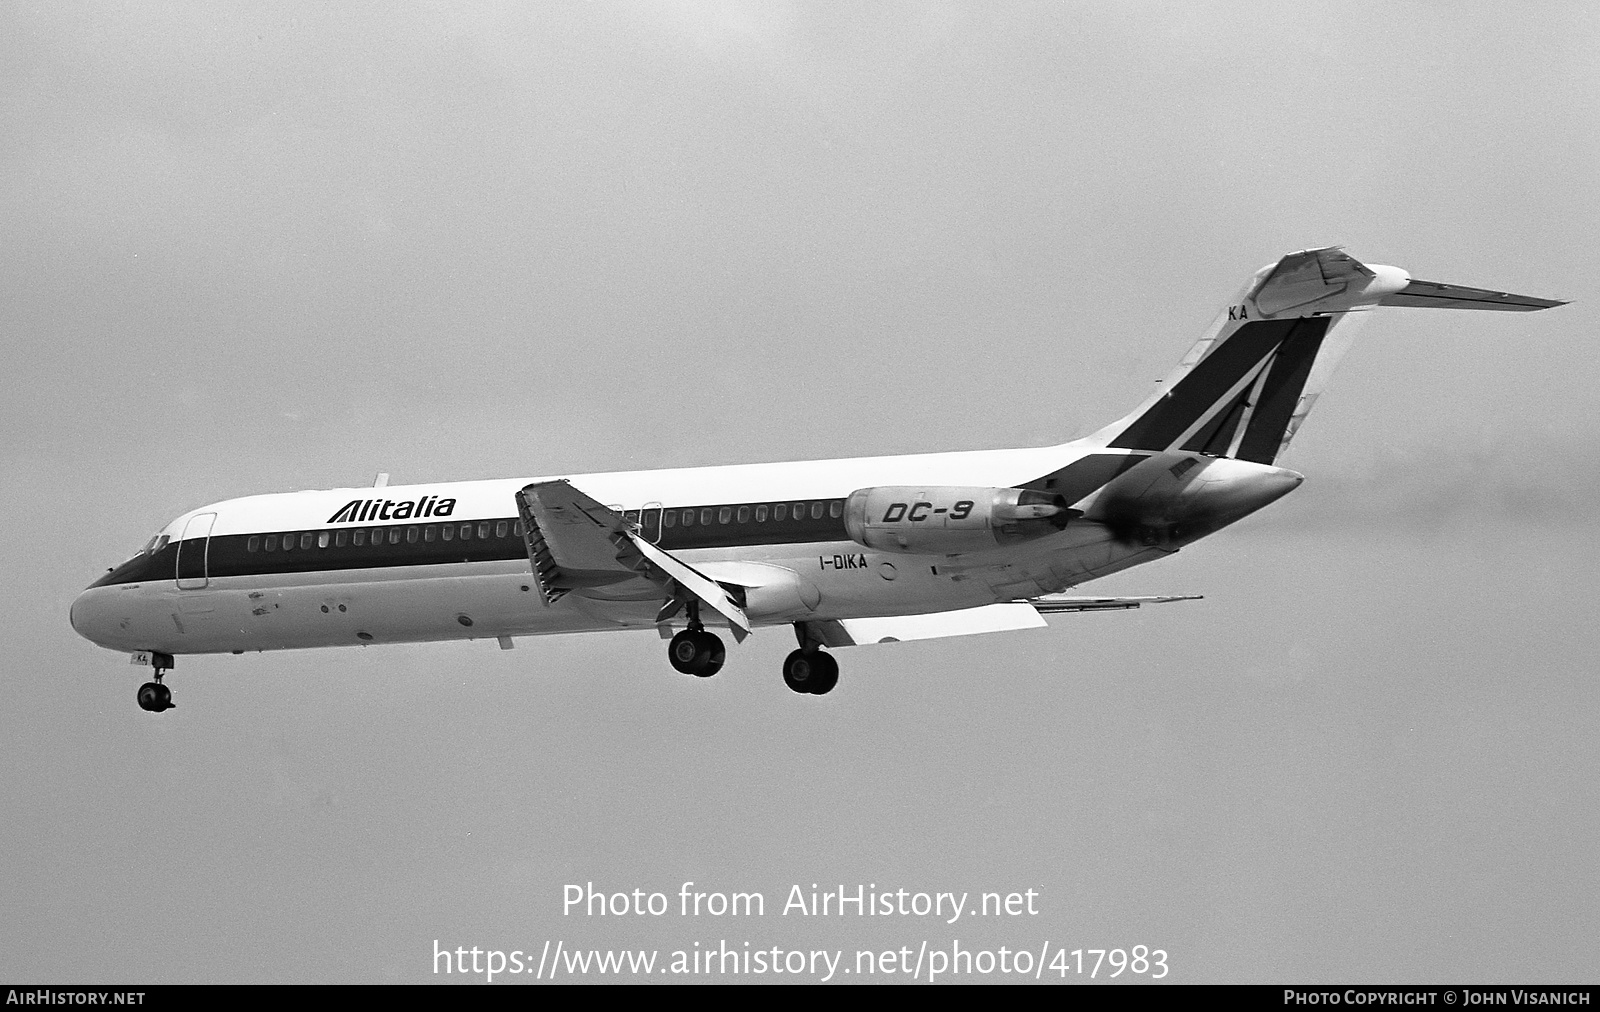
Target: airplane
(847, 552)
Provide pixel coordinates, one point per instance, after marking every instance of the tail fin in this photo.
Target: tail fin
(1247, 384)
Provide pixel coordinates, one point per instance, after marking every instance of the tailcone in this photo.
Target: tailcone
(1179, 498)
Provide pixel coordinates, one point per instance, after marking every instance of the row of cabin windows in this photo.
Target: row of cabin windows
(483, 530)
(708, 515)
(705, 516)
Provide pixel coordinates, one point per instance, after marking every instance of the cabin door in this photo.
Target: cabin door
(192, 551)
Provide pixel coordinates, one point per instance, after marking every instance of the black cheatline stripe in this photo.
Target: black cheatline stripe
(143, 568)
(1205, 384)
(1270, 419)
(229, 554)
(1086, 474)
(787, 531)
(1217, 434)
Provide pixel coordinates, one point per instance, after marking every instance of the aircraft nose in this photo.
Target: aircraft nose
(78, 615)
(91, 616)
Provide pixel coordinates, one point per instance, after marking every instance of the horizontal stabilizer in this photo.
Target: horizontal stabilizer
(1432, 295)
(1055, 604)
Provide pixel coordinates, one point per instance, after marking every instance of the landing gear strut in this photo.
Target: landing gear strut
(809, 670)
(154, 696)
(695, 651)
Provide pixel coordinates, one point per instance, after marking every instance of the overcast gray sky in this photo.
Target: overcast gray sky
(249, 250)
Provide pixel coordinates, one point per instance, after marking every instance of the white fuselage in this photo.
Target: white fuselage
(322, 591)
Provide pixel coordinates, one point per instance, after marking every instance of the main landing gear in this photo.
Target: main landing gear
(154, 696)
(695, 651)
(808, 670)
(815, 673)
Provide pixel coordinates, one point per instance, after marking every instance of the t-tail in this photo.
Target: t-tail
(1245, 387)
(1200, 452)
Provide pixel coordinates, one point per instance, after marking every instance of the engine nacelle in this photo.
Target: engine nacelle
(950, 520)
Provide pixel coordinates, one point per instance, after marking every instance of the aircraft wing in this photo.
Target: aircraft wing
(1055, 604)
(850, 632)
(574, 543)
(1028, 614)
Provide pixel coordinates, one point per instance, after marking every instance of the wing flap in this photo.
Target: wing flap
(574, 543)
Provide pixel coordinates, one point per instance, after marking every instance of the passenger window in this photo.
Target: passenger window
(322, 540)
(483, 530)
(836, 508)
(377, 535)
(516, 529)
(744, 514)
(761, 514)
(466, 532)
(359, 538)
(252, 544)
(724, 514)
(338, 538)
(503, 526)
(816, 511)
(272, 543)
(428, 532)
(780, 511)
(799, 511)
(394, 535)
(288, 542)
(411, 535)
(448, 532)
(305, 540)
(669, 519)
(688, 518)
(705, 516)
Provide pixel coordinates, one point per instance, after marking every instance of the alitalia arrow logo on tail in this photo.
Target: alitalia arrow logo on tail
(359, 511)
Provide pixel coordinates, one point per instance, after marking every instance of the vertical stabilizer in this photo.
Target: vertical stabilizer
(1247, 384)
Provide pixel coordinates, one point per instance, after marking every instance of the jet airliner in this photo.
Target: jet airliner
(845, 552)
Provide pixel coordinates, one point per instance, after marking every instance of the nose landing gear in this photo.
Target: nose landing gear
(154, 696)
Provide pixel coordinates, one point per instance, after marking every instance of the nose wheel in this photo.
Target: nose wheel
(154, 696)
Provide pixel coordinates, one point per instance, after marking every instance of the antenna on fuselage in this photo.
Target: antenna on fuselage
(381, 480)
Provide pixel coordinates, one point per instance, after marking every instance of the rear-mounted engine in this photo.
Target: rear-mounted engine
(951, 520)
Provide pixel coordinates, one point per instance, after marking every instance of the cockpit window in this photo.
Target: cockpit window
(155, 544)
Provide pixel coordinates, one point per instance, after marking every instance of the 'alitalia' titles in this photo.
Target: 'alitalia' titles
(359, 511)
